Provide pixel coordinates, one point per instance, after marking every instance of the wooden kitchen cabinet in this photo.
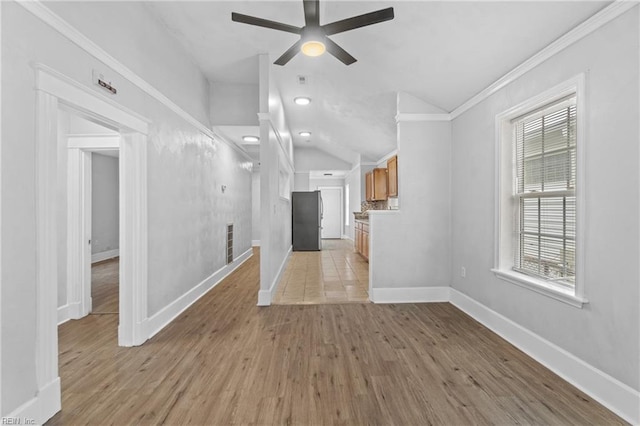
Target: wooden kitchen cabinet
(392, 176)
(376, 185)
(362, 239)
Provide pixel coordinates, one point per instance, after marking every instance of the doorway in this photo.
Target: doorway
(331, 211)
(105, 238)
(89, 161)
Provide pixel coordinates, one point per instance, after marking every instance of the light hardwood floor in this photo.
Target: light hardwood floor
(226, 361)
(337, 274)
(104, 287)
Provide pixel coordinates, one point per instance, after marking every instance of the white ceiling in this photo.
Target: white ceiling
(441, 52)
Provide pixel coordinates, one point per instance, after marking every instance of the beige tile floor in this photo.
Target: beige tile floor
(334, 275)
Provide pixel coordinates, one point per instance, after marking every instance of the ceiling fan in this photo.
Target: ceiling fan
(314, 38)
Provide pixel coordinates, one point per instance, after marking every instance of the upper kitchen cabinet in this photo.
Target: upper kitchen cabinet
(392, 176)
(376, 185)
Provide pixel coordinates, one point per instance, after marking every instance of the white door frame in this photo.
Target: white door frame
(79, 163)
(52, 91)
(320, 188)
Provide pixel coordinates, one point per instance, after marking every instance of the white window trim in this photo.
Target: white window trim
(505, 204)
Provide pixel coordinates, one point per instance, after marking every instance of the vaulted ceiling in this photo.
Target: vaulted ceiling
(442, 52)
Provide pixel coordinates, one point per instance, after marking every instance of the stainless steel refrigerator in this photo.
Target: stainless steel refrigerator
(306, 209)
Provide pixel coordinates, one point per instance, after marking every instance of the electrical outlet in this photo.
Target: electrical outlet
(463, 272)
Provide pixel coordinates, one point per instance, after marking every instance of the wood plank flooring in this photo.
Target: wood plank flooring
(104, 287)
(336, 274)
(225, 361)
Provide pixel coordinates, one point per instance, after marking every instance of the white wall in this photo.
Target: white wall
(604, 333)
(308, 159)
(255, 207)
(105, 204)
(275, 157)
(410, 247)
(187, 211)
(234, 104)
(301, 181)
(145, 46)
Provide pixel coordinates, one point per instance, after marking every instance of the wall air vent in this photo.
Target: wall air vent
(229, 243)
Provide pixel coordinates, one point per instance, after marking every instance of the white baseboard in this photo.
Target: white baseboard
(63, 314)
(265, 296)
(410, 295)
(255, 243)
(38, 409)
(68, 312)
(608, 391)
(346, 237)
(170, 312)
(109, 254)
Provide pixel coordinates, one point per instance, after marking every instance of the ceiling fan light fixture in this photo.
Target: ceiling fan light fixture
(313, 48)
(302, 100)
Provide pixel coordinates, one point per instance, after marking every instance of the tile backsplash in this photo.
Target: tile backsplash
(373, 205)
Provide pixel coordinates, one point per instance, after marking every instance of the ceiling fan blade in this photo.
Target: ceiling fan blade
(246, 19)
(359, 21)
(339, 52)
(312, 12)
(290, 53)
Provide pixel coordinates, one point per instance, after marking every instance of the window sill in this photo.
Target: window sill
(542, 287)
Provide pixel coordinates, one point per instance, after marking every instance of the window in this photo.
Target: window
(545, 181)
(540, 157)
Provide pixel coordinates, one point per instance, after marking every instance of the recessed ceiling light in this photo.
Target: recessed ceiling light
(250, 138)
(302, 100)
(305, 134)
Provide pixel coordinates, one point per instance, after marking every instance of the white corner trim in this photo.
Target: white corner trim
(109, 254)
(407, 117)
(42, 12)
(255, 243)
(170, 312)
(41, 407)
(601, 18)
(610, 392)
(409, 295)
(265, 296)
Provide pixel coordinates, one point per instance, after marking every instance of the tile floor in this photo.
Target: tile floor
(337, 274)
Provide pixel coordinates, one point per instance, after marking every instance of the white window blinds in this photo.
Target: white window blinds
(545, 191)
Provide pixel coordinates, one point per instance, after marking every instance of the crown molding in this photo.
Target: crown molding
(407, 117)
(38, 9)
(601, 18)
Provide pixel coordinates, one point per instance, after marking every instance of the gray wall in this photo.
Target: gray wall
(605, 332)
(275, 211)
(105, 203)
(187, 211)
